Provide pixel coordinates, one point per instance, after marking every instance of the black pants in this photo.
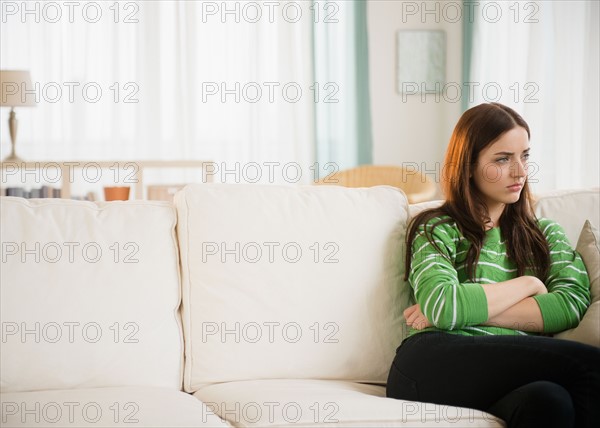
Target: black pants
(528, 381)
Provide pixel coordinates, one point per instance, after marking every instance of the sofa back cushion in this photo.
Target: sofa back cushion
(570, 209)
(89, 295)
(290, 282)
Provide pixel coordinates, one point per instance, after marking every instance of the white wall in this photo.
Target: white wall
(410, 130)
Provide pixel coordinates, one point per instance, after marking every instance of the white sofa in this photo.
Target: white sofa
(239, 305)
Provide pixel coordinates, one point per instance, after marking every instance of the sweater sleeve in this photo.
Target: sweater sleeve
(568, 283)
(447, 304)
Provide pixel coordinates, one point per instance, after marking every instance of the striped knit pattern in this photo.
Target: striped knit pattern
(454, 304)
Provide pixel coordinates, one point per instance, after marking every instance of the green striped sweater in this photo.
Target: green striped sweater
(454, 304)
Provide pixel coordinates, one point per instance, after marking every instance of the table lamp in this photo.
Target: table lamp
(13, 84)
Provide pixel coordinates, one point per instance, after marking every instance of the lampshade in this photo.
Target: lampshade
(12, 82)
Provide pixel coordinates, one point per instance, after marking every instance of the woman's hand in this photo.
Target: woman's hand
(415, 318)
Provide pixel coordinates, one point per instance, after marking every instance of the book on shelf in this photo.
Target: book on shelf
(46, 192)
(18, 192)
(34, 193)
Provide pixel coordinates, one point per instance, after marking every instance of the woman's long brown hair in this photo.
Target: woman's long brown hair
(477, 128)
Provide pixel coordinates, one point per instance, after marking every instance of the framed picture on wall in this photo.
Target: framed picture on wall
(420, 61)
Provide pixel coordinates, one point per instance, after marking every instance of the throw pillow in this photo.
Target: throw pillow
(588, 330)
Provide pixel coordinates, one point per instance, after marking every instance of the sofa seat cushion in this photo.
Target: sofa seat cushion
(290, 282)
(323, 403)
(89, 295)
(106, 407)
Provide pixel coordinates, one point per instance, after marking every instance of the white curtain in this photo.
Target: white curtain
(343, 112)
(541, 58)
(163, 77)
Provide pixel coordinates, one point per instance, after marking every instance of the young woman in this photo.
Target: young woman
(490, 280)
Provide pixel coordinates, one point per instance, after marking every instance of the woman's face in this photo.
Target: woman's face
(501, 169)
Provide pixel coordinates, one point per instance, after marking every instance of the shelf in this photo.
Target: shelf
(134, 177)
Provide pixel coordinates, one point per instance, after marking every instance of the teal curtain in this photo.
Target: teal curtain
(341, 70)
(468, 25)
